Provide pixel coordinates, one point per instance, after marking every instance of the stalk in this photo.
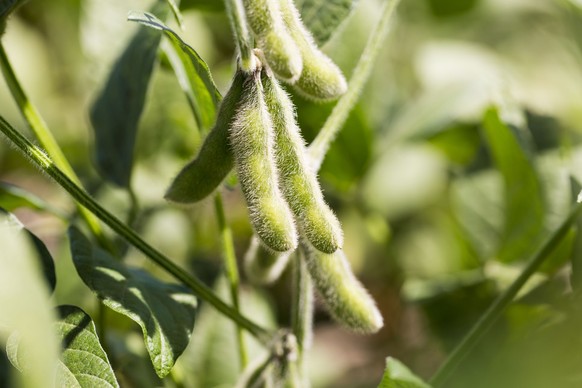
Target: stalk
(360, 75)
(38, 157)
(231, 271)
(47, 141)
(236, 14)
(302, 311)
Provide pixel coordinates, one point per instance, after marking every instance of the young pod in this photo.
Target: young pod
(321, 79)
(344, 296)
(262, 265)
(214, 161)
(298, 180)
(251, 141)
(280, 50)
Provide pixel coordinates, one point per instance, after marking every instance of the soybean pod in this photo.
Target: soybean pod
(214, 161)
(344, 296)
(320, 79)
(280, 50)
(251, 140)
(298, 179)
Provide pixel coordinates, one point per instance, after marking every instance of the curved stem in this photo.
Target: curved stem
(236, 14)
(360, 75)
(499, 306)
(47, 141)
(231, 270)
(41, 160)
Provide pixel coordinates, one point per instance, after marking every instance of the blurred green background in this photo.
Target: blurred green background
(441, 204)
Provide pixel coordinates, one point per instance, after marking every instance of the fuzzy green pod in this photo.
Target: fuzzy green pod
(251, 139)
(273, 38)
(214, 161)
(321, 79)
(298, 179)
(262, 265)
(344, 296)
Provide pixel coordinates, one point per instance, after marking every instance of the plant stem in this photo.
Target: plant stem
(302, 318)
(231, 271)
(47, 141)
(236, 14)
(498, 307)
(360, 75)
(41, 160)
(302, 310)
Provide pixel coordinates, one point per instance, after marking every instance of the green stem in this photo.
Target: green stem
(302, 310)
(231, 271)
(47, 141)
(302, 318)
(498, 307)
(236, 14)
(360, 75)
(41, 160)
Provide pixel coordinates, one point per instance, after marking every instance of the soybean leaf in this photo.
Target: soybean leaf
(524, 202)
(165, 312)
(477, 202)
(349, 159)
(41, 253)
(397, 375)
(13, 197)
(323, 17)
(116, 112)
(192, 72)
(83, 361)
(25, 308)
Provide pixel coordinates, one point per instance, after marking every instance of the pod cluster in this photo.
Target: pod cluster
(319, 229)
(290, 51)
(256, 133)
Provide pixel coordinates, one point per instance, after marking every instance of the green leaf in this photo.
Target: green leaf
(397, 375)
(13, 197)
(83, 361)
(524, 202)
(348, 159)
(192, 72)
(477, 202)
(164, 311)
(323, 17)
(25, 308)
(45, 260)
(116, 112)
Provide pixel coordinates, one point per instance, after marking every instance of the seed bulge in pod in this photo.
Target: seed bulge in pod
(251, 140)
(343, 295)
(201, 176)
(273, 38)
(298, 180)
(320, 79)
